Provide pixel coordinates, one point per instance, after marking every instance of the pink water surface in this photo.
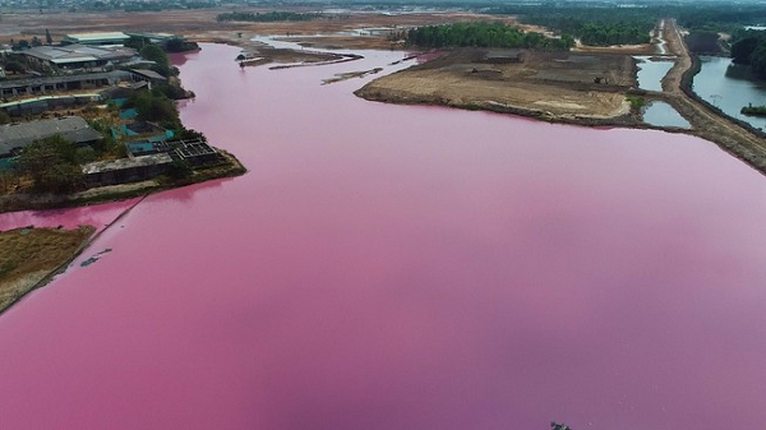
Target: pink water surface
(391, 267)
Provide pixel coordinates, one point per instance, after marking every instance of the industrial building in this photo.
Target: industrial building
(102, 38)
(125, 170)
(15, 137)
(79, 56)
(160, 39)
(25, 87)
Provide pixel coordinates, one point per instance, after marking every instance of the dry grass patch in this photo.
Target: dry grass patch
(28, 255)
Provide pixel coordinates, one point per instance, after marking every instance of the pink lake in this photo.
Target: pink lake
(400, 267)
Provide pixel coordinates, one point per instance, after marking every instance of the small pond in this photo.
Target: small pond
(661, 114)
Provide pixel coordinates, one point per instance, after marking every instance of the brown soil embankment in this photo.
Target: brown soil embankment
(560, 87)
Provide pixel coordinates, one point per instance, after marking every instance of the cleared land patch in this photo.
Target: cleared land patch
(544, 84)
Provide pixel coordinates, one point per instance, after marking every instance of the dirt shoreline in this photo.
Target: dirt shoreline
(562, 87)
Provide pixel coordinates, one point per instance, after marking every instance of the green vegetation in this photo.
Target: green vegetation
(703, 42)
(716, 18)
(483, 34)
(179, 45)
(570, 17)
(14, 66)
(137, 42)
(175, 44)
(156, 54)
(5, 118)
(597, 26)
(636, 102)
(53, 164)
(266, 17)
(754, 110)
(180, 169)
(620, 33)
(155, 106)
(751, 50)
(20, 45)
(107, 146)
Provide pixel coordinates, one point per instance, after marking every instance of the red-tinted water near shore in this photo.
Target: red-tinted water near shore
(394, 267)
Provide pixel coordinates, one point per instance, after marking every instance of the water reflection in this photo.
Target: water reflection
(651, 70)
(730, 87)
(662, 114)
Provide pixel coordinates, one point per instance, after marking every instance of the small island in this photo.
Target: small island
(754, 110)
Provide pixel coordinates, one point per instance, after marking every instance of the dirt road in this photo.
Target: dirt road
(707, 123)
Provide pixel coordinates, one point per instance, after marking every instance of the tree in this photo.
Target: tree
(4, 117)
(48, 38)
(742, 49)
(155, 107)
(52, 165)
(137, 42)
(21, 45)
(36, 41)
(156, 54)
(15, 67)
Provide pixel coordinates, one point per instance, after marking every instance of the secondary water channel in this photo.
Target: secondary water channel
(391, 267)
(651, 70)
(730, 87)
(661, 114)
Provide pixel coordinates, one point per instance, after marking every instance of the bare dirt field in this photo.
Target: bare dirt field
(548, 85)
(201, 24)
(339, 31)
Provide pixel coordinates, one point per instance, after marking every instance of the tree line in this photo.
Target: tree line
(608, 24)
(266, 17)
(619, 33)
(485, 35)
(751, 50)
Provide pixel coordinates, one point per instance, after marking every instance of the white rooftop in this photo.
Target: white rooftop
(98, 36)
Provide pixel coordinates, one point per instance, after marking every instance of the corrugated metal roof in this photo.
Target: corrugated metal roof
(116, 75)
(73, 60)
(75, 53)
(109, 35)
(149, 74)
(21, 135)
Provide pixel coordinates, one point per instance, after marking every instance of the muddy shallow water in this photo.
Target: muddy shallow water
(395, 267)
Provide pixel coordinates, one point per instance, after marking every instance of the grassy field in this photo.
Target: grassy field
(29, 255)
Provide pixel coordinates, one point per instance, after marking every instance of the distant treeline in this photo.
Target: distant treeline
(485, 35)
(703, 42)
(266, 17)
(610, 24)
(619, 33)
(596, 26)
(751, 50)
(722, 18)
